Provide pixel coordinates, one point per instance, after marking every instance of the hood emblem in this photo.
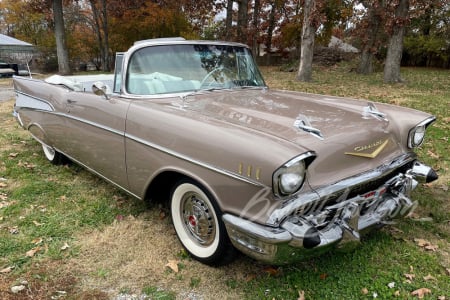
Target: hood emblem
(377, 147)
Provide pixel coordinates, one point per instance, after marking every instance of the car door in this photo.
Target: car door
(94, 134)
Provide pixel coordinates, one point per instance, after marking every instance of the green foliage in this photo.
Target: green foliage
(158, 294)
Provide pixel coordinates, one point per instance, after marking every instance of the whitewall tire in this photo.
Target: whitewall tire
(198, 224)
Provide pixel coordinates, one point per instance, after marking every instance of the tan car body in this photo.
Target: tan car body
(230, 142)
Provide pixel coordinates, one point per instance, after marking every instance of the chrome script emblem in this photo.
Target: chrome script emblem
(375, 147)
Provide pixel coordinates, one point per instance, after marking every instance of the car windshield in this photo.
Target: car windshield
(189, 68)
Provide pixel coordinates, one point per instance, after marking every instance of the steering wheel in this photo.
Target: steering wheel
(215, 70)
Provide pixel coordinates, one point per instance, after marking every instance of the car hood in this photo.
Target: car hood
(347, 141)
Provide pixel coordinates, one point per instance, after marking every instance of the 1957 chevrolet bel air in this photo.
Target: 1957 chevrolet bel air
(278, 175)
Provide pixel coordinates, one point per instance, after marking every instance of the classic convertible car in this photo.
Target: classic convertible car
(278, 175)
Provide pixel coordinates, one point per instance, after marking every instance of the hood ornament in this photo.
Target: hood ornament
(303, 123)
(372, 111)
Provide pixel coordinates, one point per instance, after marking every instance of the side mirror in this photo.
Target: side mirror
(101, 89)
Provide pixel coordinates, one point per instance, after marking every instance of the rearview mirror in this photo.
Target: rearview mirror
(101, 89)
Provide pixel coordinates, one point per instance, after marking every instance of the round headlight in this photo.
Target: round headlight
(418, 136)
(289, 178)
(289, 183)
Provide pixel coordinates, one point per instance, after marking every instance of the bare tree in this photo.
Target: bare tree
(61, 45)
(395, 46)
(308, 36)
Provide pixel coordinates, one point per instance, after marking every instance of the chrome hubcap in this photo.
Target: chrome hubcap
(197, 219)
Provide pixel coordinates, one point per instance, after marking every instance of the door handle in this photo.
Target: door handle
(70, 101)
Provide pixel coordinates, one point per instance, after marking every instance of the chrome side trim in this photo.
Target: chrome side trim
(194, 161)
(290, 205)
(94, 124)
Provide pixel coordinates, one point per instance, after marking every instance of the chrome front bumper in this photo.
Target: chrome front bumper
(335, 225)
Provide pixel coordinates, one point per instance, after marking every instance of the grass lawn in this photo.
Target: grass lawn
(66, 234)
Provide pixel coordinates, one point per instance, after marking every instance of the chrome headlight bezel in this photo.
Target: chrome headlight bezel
(290, 177)
(416, 135)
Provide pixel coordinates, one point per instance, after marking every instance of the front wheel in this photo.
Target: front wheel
(52, 155)
(198, 224)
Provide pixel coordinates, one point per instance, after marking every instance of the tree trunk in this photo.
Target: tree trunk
(255, 29)
(307, 47)
(270, 28)
(100, 24)
(242, 22)
(395, 46)
(229, 20)
(370, 37)
(61, 46)
(106, 58)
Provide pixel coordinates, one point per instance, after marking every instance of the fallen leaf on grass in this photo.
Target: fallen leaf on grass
(410, 276)
(173, 265)
(397, 293)
(447, 270)
(3, 184)
(26, 165)
(421, 292)
(364, 291)
(301, 295)
(65, 247)
(426, 244)
(37, 223)
(32, 252)
(250, 277)
(432, 154)
(441, 298)
(431, 247)
(13, 230)
(6, 270)
(271, 271)
(429, 277)
(421, 242)
(37, 241)
(3, 197)
(13, 155)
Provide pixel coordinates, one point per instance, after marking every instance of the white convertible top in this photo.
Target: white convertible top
(80, 83)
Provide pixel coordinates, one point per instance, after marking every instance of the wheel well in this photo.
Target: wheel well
(161, 186)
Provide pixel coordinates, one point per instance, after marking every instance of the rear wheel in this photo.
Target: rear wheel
(198, 224)
(52, 155)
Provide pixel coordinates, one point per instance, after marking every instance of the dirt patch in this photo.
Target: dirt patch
(132, 254)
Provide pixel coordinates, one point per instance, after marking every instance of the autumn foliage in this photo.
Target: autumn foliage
(96, 29)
